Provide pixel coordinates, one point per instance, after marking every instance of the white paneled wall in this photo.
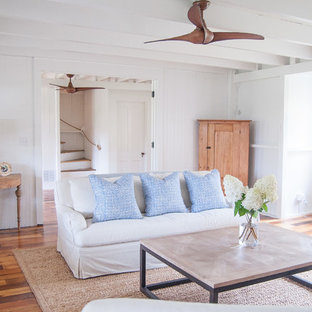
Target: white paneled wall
(298, 145)
(17, 137)
(262, 101)
(189, 95)
(96, 121)
(50, 135)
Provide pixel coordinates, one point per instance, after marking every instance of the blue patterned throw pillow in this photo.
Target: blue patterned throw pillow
(114, 201)
(162, 195)
(205, 191)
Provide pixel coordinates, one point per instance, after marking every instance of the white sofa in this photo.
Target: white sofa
(93, 249)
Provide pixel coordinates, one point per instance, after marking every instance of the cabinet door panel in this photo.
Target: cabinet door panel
(224, 145)
(202, 146)
(224, 151)
(211, 147)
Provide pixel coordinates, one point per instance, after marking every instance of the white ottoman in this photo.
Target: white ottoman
(148, 305)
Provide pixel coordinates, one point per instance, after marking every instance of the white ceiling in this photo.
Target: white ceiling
(120, 27)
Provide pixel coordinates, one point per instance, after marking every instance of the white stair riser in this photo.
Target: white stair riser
(76, 165)
(72, 155)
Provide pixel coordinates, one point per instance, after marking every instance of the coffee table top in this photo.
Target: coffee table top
(215, 258)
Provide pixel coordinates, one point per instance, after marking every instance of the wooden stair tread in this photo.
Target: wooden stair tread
(78, 170)
(75, 160)
(71, 151)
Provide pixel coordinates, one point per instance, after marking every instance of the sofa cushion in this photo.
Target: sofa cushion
(120, 231)
(114, 200)
(205, 191)
(162, 195)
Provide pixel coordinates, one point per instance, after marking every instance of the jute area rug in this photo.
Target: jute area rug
(57, 290)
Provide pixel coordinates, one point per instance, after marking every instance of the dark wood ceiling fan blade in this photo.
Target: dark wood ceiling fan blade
(220, 36)
(55, 85)
(87, 88)
(197, 36)
(195, 15)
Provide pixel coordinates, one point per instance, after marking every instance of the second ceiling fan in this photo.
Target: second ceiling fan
(71, 89)
(202, 35)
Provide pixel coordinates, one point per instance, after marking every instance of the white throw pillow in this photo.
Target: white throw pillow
(82, 195)
(138, 193)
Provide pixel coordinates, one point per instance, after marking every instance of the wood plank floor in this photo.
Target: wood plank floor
(15, 294)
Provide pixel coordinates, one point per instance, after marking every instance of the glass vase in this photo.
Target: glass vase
(249, 230)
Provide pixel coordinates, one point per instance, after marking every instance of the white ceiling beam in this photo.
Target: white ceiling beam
(24, 42)
(271, 46)
(68, 35)
(274, 72)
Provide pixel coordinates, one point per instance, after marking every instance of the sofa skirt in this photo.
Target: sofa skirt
(103, 260)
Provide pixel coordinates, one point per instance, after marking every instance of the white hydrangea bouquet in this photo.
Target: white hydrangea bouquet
(249, 202)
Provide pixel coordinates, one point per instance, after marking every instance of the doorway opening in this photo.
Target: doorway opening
(99, 131)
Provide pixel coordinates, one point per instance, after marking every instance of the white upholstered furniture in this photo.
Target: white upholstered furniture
(143, 305)
(93, 249)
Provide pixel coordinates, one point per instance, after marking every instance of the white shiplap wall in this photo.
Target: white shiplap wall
(297, 199)
(262, 102)
(188, 96)
(17, 136)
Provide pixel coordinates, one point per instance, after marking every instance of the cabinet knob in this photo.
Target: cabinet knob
(208, 147)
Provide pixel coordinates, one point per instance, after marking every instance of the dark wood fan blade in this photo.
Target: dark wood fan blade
(55, 85)
(197, 36)
(219, 36)
(87, 88)
(195, 15)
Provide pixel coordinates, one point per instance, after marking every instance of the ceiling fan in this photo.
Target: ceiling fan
(202, 35)
(71, 89)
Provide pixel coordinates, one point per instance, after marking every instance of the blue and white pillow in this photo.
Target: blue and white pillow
(162, 195)
(205, 191)
(114, 200)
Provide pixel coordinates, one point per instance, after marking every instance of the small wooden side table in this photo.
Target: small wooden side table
(14, 180)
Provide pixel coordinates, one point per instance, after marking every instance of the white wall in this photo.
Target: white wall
(298, 145)
(49, 135)
(96, 124)
(262, 102)
(188, 96)
(17, 137)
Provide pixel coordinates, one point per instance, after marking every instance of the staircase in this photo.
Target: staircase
(75, 161)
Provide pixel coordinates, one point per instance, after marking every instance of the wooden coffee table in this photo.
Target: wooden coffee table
(214, 260)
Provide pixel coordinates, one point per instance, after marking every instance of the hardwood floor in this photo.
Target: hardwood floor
(15, 294)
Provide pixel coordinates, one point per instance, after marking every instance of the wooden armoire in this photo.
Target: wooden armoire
(224, 145)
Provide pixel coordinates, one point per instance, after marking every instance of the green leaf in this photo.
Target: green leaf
(238, 205)
(265, 207)
(242, 211)
(236, 210)
(255, 214)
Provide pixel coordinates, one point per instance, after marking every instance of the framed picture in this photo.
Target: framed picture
(5, 169)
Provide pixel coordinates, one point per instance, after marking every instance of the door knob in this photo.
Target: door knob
(142, 154)
(208, 147)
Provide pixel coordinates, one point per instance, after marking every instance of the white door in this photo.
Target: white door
(130, 142)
